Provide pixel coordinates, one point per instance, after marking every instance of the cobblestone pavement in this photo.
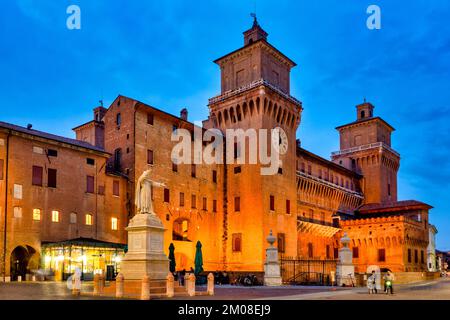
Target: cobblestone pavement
(40, 291)
(433, 290)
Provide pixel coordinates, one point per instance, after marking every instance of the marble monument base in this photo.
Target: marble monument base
(145, 254)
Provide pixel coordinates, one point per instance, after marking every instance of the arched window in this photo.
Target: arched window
(118, 119)
(181, 230)
(363, 114)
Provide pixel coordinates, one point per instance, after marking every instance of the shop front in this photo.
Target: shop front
(90, 256)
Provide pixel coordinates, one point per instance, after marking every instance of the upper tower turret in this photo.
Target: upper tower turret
(255, 33)
(256, 60)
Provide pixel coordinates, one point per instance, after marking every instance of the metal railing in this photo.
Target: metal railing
(249, 86)
(365, 147)
(307, 271)
(329, 184)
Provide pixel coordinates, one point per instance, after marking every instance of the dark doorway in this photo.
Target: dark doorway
(20, 257)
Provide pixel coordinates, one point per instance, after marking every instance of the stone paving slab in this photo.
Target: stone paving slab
(431, 290)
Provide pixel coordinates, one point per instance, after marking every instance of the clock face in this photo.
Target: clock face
(279, 140)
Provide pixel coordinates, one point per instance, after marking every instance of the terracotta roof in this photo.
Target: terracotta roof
(406, 205)
(258, 41)
(50, 136)
(366, 120)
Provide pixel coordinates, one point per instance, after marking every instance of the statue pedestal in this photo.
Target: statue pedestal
(145, 254)
(272, 273)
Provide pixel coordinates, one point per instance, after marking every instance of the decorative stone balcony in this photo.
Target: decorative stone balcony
(252, 85)
(365, 147)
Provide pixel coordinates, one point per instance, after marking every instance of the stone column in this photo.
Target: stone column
(170, 285)
(211, 284)
(272, 273)
(119, 286)
(345, 270)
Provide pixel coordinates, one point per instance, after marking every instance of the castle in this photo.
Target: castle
(65, 202)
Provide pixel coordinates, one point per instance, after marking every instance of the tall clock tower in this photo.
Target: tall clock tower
(255, 95)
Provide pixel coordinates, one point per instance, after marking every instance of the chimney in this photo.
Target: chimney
(29, 126)
(184, 114)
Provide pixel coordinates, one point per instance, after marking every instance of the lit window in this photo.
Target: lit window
(114, 223)
(17, 212)
(89, 219)
(36, 214)
(55, 216)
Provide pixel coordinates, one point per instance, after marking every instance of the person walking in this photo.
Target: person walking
(371, 283)
(389, 282)
(181, 276)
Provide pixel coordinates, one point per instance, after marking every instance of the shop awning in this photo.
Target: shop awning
(84, 242)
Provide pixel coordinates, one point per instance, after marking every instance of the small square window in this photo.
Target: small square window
(90, 161)
(55, 216)
(237, 170)
(150, 118)
(17, 212)
(166, 195)
(36, 214)
(88, 219)
(116, 188)
(52, 153)
(114, 223)
(73, 218)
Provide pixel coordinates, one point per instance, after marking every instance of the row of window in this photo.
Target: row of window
(38, 174)
(237, 202)
(54, 153)
(56, 217)
(193, 201)
(416, 256)
(150, 160)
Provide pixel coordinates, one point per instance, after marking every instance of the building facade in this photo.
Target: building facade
(229, 207)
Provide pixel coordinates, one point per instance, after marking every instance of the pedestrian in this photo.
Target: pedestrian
(181, 277)
(389, 282)
(371, 283)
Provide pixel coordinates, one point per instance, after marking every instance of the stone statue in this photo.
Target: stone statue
(143, 198)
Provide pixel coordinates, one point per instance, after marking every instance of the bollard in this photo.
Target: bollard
(145, 291)
(191, 285)
(96, 283)
(170, 285)
(119, 286)
(211, 284)
(33, 278)
(19, 278)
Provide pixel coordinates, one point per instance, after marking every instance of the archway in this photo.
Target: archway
(19, 261)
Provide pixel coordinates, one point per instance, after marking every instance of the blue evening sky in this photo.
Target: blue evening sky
(161, 52)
